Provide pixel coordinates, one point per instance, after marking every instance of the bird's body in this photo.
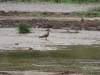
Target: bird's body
(45, 35)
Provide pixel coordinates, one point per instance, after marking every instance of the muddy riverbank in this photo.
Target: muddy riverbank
(10, 17)
(87, 24)
(12, 40)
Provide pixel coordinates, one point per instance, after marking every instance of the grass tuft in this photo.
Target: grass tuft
(23, 28)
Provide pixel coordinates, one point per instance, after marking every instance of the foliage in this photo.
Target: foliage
(95, 9)
(76, 31)
(23, 28)
(3, 73)
(97, 28)
(94, 12)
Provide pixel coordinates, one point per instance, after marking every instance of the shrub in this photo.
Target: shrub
(23, 28)
(98, 28)
(76, 30)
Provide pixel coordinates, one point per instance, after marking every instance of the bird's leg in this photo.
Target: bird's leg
(50, 30)
(46, 37)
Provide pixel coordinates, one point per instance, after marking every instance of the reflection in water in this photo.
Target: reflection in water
(10, 36)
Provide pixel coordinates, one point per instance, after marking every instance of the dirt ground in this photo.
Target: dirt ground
(11, 19)
(57, 22)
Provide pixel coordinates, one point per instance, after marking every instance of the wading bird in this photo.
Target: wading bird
(45, 35)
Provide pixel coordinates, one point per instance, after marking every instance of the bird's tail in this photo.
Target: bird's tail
(40, 36)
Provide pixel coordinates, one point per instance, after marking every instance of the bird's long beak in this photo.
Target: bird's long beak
(50, 30)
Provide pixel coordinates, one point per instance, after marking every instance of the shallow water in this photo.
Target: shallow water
(47, 61)
(10, 39)
(44, 6)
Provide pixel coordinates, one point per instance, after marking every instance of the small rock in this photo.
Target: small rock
(95, 19)
(16, 44)
(36, 26)
(2, 12)
(23, 48)
(30, 48)
(37, 23)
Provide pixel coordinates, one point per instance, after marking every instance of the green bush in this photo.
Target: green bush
(97, 28)
(76, 30)
(24, 28)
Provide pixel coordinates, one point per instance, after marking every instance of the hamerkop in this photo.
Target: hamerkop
(45, 35)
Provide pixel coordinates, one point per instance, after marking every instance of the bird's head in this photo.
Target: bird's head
(47, 29)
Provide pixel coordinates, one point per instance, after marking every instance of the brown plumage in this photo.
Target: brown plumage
(45, 35)
(49, 26)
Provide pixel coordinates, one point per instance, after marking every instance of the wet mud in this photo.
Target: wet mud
(12, 40)
(57, 24)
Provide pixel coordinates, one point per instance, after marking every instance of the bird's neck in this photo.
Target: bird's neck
(48, 32)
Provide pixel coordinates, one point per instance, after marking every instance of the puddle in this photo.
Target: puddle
(10, 39)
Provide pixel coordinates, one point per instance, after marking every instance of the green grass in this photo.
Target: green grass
(3, 73)
(94, 12)
(76, 58)
(98, 28)
(39, 14)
